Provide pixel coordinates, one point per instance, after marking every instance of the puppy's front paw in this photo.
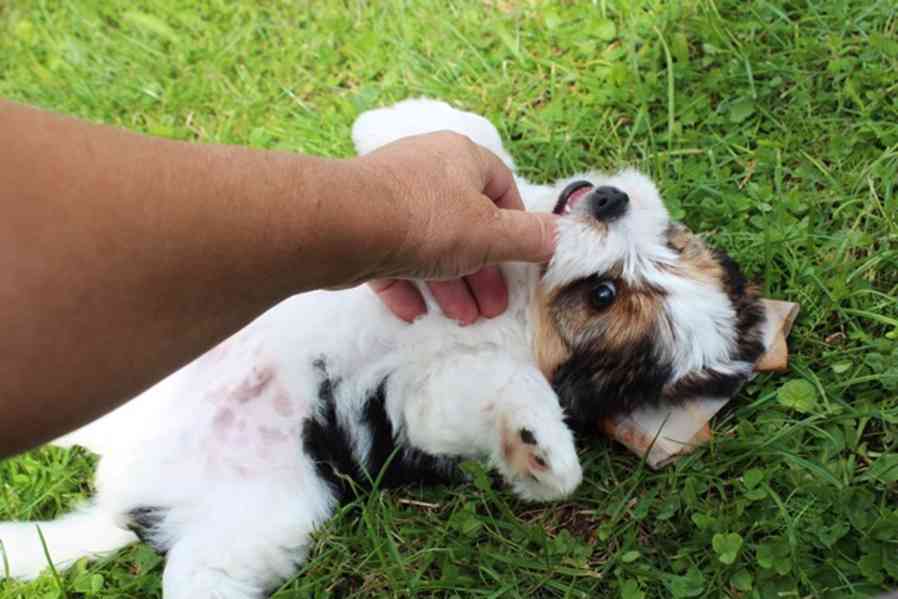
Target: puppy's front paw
(536, 455)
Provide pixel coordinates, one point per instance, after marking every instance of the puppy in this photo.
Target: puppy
(230, 464)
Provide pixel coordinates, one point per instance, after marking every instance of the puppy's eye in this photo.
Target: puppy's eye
(603, 294)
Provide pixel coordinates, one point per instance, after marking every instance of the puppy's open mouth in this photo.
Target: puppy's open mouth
(570, 195)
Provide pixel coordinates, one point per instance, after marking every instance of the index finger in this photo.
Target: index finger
(498, 184)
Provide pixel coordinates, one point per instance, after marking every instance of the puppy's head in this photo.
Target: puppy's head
(634, 309)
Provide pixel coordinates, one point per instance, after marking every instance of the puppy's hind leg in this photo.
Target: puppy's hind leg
(191, 571)
(245, 538)
(379, 127)
(376, 128)
(239, 565)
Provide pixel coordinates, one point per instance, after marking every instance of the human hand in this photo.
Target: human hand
(169, 247)
(459, 213)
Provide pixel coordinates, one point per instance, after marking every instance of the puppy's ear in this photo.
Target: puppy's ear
(684, 242)
(678, 236)
(706, 383)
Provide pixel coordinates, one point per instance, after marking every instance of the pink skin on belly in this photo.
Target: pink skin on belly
(256, 422)
(282, 404)
(223, 420)
(271, 435)
(254, 385)
(259, 381)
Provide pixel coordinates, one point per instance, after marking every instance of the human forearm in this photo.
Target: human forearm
(123, 256)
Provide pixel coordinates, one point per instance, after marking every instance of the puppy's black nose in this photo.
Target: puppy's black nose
(608, 203)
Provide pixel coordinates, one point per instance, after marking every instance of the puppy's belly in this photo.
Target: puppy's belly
(253, 409)
(236, 412)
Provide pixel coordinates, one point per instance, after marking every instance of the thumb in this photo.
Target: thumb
(518, 236)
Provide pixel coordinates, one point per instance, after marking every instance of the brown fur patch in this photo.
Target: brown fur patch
(678, 236)
(519, 454)
(566, 318)
(696, 260)
(630, 319)
(615, 364)
(549, 347)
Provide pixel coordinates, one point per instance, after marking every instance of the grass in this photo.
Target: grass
(772, 126)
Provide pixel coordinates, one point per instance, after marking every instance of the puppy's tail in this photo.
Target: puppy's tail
(89, 532)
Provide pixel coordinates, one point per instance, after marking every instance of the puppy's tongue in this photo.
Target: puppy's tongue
(576, 197)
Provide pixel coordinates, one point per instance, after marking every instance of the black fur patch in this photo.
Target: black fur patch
(592, 385)
(704, 383)
(748, 306)
(330, 444)
(144, 521)
(399, 465)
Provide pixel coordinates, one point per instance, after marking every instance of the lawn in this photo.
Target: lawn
(771, 126)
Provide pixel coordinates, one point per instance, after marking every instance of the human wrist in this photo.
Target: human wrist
(380, 216)
(352, 221)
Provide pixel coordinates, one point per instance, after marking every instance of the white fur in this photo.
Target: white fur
(218, 444)
(416, 116)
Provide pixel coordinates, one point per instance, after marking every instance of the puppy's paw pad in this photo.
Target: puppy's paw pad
(539, 462)
(523, 454)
